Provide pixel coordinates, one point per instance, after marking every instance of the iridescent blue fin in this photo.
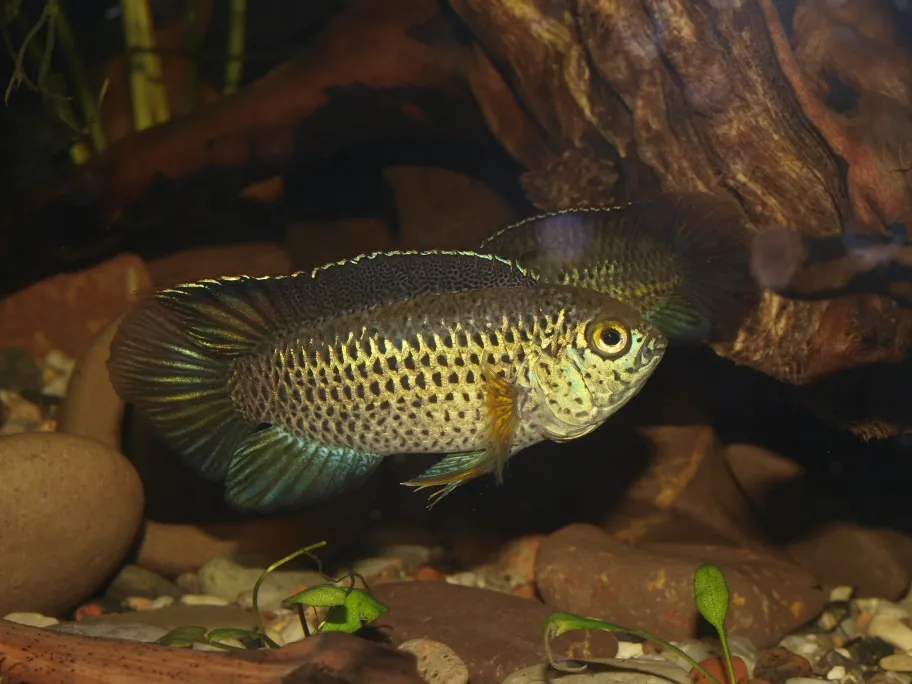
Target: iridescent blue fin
(274, 471)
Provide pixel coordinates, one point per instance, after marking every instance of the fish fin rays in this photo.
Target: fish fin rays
(679, 320)
(273, 471)
(180, 387)
(451, 472)
(457, 469)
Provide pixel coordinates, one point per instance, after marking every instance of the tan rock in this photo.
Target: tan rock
(92, 408)
(66, 311)
(70, 508)
(253, 259)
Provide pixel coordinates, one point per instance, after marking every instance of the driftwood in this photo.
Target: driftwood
(39, 656)
(605, 101)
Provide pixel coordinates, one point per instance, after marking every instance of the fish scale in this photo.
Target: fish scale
(423, 383)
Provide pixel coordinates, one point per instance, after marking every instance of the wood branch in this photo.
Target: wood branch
(40, 656)
(368, 77)
(647, 96)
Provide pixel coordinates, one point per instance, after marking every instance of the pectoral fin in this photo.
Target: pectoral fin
(457, 469)
(451, 471)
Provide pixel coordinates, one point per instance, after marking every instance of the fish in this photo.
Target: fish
(818, 267)
(681, 260)
(292, 389)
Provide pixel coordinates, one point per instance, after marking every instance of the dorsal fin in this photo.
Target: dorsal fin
(233, 315)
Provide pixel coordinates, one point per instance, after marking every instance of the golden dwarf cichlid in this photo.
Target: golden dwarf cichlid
(291, 389)
(681, 260)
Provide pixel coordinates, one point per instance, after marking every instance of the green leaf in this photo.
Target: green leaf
(183, 637)
(322, 595)
(349, 608)
(712, 599)
(559, 623)
(711, 594)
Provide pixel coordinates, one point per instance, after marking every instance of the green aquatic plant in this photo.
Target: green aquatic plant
(349, 609)
(711, 598)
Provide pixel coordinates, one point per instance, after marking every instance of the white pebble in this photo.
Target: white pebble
(161, 602)
(31, 619)
(898, 662)
(891, 630)
(629, 650)
(803, 680)
(836, 673)
(841, 593)
(202, 600)
(810, 646)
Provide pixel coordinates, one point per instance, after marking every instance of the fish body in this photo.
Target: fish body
(680, 260)
(291, 400)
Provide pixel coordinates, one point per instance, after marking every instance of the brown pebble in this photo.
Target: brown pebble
(428, 574)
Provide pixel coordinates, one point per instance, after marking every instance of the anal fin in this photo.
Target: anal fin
(273, 470)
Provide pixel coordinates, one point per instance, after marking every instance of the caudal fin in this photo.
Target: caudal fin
(179, 385)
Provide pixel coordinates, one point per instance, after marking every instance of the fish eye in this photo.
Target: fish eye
(610, 338)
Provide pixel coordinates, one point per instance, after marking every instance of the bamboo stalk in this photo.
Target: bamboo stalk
(150, 102)
(235, 65)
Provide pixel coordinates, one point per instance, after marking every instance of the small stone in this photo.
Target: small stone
(119, 630)
(812, 647)
(437, 663)
(137, 603)
(804, 680)
(836, 673)
(779, 664)
(627, 649)
(202, 600)
(428, 574)
(19, 415)
(900, 662)
(719, 669)
(134, 581)
(18, 370)
(228, 579)
(161, 602)
(31, 619)
(891, 630)
(188, 583)
(375, 570)
(841, 594)
(869, 650)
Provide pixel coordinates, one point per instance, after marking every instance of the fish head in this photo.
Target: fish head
(610, 354)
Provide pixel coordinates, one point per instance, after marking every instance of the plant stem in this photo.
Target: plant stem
(235, 64)
(91, 114)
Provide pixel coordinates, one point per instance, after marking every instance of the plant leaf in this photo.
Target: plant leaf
(322, 595)
(712, 599)
(183, 637)
(559, 623)
(711, 594)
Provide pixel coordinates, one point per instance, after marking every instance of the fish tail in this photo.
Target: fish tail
(174, 365)
(712, 243)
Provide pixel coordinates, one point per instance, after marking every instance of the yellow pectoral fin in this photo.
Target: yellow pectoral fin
(500, 402)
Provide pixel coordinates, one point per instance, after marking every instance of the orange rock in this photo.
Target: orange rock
(428, 574)
(525, 591)
(252, 258)
(88, 610)
(66, 311)
(717, 668)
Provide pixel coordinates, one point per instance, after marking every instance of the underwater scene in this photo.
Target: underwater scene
(456, 342)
